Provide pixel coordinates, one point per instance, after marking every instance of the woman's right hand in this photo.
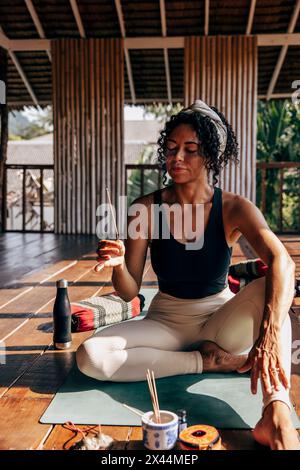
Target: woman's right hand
(111, 253)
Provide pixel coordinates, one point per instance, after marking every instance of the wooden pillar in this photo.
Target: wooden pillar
(222, 71)
(3, 140)
(88, 102)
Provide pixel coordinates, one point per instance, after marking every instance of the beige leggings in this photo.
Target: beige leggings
(166, 340)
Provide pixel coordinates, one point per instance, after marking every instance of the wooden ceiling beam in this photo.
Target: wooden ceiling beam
(283, 51)
(250, 17)
(18, 66)
(206, 18)
(176, 42)
(37, 23)
(166, 56)
(126, 51)
(4, 41)
(276, 96)
(78, 19)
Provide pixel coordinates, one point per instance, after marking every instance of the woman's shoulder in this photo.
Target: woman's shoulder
(235, 207)
(232, 201)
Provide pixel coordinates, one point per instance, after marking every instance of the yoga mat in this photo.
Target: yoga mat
(221, 400)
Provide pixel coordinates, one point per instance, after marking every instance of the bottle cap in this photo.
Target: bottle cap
(181, 413)
(62, 283)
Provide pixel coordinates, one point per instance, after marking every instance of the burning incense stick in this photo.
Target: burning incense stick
(112, 213)
(98, 267)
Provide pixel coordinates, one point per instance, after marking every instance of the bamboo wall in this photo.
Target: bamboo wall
(222, 71)
(88, 102)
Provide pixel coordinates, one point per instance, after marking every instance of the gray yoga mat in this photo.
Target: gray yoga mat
(221, 400)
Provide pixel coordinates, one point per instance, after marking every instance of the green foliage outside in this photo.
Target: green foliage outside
(278, 139)
(151, 177)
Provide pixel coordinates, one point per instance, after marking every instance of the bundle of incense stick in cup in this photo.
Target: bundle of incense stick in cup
(153, 394)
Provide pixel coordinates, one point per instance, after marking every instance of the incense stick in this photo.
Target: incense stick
(112, 213)
(98, 267)
(133, 410)
(153, 394)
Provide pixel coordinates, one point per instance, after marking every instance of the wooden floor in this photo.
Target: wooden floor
(34, 371)
(24, 253)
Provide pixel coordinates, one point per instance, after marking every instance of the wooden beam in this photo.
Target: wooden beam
(176, 42)
(250, 17)
(77, 16)
(276, 96)
(283, 51)
(166, 56)
(4, 41)
(206, 19)
(126, 52)
(27, 103)
(155, 43)
(23, 76)
(18, 45)
(21, 72)
(36, 22)
(120, 17)
(154, 100)
(163, 17)
(272, 40)
(150, 100)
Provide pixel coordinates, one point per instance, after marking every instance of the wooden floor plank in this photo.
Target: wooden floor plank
(38, 250)
(29, 282)
(62, 438)
(20, 429)
(17, 312)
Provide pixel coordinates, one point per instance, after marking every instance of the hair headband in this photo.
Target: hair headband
(202, 108)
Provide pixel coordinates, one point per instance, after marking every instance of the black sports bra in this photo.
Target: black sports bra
(191, 274)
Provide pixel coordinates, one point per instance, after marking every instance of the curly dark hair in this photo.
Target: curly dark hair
(207, 134)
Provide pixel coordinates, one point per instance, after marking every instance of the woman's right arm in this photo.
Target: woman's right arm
(128, 272)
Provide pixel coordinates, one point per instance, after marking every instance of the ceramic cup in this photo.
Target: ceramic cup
(160, 436)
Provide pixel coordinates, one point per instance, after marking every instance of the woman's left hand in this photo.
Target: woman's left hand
(264, 360)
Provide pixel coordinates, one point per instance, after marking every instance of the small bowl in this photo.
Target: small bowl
(160, 436)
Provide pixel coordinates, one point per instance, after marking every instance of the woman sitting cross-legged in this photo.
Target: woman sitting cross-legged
(195, 323)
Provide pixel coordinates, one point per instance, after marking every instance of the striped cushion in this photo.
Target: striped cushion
(105, 310)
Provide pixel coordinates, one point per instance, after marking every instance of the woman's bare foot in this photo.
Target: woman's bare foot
(216, 359)
(275, 429)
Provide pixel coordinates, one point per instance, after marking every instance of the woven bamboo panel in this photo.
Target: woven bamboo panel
(88, 102)
(222, 71)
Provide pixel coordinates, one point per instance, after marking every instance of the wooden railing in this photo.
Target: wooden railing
(274, 174)
(31, 198)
